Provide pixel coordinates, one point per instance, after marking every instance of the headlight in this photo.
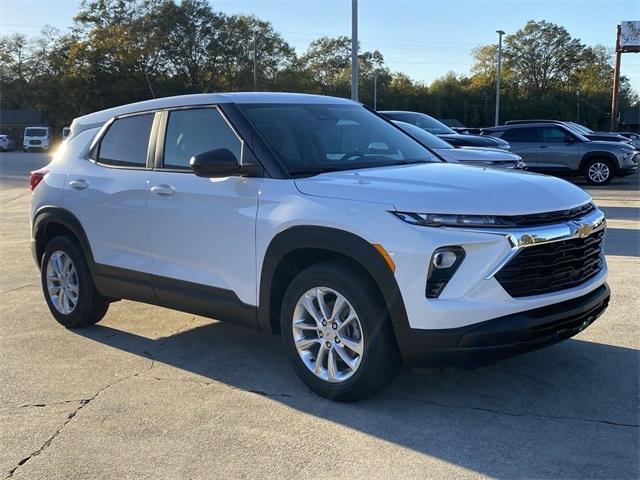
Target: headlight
(449, 220)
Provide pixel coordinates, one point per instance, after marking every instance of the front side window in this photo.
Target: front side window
(126, 142)
(553, 135)
(194, 131)
(516, 135)
(310, 138)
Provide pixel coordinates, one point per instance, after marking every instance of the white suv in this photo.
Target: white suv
(316, 218)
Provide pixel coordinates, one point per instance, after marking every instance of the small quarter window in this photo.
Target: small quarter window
(194, 131)
(126, 142)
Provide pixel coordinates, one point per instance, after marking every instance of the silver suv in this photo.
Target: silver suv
(554, 148)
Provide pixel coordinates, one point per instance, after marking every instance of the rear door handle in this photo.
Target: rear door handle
(79, 184)
(163, 190)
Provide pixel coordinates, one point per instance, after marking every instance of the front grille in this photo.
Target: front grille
(34, 142)
(551, 267)
(552, 217)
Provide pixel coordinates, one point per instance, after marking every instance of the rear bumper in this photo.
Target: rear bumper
(487, 342)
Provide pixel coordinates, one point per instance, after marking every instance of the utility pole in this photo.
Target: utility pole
(375, 91)
(498, 74)
(616, 84)
(354, 50)
(255, 63)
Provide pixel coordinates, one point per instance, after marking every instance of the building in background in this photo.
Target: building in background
(13, 122)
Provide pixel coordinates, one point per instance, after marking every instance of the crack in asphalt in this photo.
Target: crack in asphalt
(181, 328)
(82, 403)
(17, 288)
(508, 414)
(205, 383)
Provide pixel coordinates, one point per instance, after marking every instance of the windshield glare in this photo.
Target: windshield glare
(425, 122)
(309, 138)
(35, 132)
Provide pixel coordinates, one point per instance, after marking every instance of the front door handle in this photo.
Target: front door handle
(163, 190)
(79, 184)
(542, 146)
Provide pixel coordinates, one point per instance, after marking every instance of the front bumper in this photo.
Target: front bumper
(487, 342)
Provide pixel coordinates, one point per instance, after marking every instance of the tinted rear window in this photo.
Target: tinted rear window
(515, 135)
(126, 142)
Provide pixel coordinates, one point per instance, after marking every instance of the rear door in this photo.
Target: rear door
(108, 194)
(202, 230)
(523, 143)
(558, 149)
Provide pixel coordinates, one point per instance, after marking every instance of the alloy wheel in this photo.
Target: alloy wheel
(599, 172)
(328, 334)
(62, 282)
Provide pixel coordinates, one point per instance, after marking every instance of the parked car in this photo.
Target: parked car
(557, 149)
(581, 129)
(7, 144)
(439, 129)
(634, 137)
(493, 157)
(36, 137)
(318, 219)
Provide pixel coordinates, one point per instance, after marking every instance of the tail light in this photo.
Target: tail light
(36, 177)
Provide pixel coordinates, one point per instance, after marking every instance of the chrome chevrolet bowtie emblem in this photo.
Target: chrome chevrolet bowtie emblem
(584, 230)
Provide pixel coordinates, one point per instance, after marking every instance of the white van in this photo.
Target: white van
(36, 137)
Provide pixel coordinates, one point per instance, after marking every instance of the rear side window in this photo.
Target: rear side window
(126, 142)
(515, 135)
(552, 135)
(194, 131)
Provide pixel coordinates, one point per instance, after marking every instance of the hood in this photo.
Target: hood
(470, 154)
(460, 140)
(448, 188)
(609, 145)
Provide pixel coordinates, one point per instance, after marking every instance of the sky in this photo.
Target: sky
(422, 38)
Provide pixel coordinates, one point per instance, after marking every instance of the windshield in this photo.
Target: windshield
(312, 138)
(424, 137)
(35, 132)
(580, 128)
(423, 121)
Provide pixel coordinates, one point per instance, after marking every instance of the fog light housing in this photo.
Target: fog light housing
(444, 263)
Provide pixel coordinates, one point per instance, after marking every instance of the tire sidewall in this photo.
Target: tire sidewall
(373, 319)
(81, 311)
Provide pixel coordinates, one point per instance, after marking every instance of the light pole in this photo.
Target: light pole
(354, 50)
(498, 74)
(375, 91)
(255, 63)
(577, 106)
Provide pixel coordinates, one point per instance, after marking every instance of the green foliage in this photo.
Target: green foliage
(120, 51)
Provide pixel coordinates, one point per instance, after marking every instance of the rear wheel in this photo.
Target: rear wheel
(68, 287)
(598, 171)
(337, 332)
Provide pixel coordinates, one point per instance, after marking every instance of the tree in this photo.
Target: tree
(542, 55)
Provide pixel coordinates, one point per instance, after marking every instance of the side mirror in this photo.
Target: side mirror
(221, 162)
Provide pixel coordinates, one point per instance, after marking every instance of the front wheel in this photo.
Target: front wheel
(337, 332)
(598, 171)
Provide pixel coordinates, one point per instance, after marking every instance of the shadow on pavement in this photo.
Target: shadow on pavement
(621, 213)
(540, 415)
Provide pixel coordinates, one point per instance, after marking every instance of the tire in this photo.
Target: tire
(89, 306)
(25, 150)
(598, 171)
(380, 359)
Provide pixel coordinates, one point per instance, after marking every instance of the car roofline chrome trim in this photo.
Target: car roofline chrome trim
(520, 238)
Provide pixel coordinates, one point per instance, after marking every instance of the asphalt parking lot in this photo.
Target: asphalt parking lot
(152, 393)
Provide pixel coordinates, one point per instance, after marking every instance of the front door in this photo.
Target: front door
(202, 230)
